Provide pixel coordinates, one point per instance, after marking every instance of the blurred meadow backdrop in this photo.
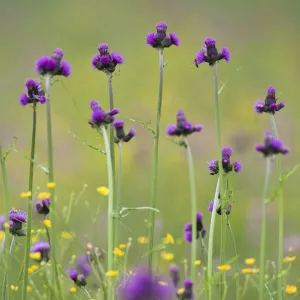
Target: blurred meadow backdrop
(263, 36)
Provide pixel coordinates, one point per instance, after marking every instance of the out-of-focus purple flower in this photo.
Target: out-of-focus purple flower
(143, 286)
(183, 127)
(269, 105)
(43, 248)
(78, 279)
(160, 39)
(106, 62)
(35, 93)
(219, 209)
(99, 117)
(2, 222)
(272, 146)
(42, 206)
(188, 231)
(188, 293)
(210, 54)
(174, 274)
(16, 219)
(83, 265)
(120, 133)
(54, 65)
(213, 165)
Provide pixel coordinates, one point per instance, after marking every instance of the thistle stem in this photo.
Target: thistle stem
(29, 204)
(155, 166)
(110, 219)
(193, 210)
(280, 217)
(263, 230)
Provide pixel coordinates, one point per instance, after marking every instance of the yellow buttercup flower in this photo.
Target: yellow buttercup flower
(143, 240)
(167, 256)
(25, 194)
(44, 195)
(29, 288)
(122, 246)
(51, 185)
(118, 252)
(224, 268)
(14, 288)
(2, 235)
(290, 289)
(47, 223)
(73, 289)
(250, 261)
(66, 235)
(89, 246)
(6, 225)
(34, 267)
(103, 190)
(197, 262)
(111, 273)
(249, 271)
(36, 255)
(289, 259)
(169, 239)
(180, 291)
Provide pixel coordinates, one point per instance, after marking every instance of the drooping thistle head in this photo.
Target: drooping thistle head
(186, 293)
(269, 105)
(40, 251)
(160, 39)
(16, 219)
(35, 93)
(106, 61)
(188, 229)
(79, 280)
(43, 206)
(174, 274)
(210, 53)
(120, 133)
(53, 65)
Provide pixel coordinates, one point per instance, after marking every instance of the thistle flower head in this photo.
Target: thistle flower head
(35, 93)
(210, 53)
(272, 146)
(269, 105)
(142, 285)
(106, 61)
(43, 248)
(99, 117)
(186, 293)
(16, 219)
(160, 39)
(42, 206)
(120, 133)
(83, 265)
(174, 274)
(2, 222)
(78, 279)
(188, 230)
(54, 65)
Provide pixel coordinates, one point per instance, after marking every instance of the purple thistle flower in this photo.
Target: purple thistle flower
(83, 265)
(99, 117)
(73, 273)
(35, 93)
(212, 55)
(183, 127)
(42, 206)
(160, 39)
(42, 247)
(2, 222)
(188, 293)
(272, 146)
(105, 61)
(120, 133)
(269, 105)
(213, 167)
(53, 66)
(219, 209)
(78, 280)
(174, 274)
(188, 231)
(237, 166)
(143, 286)
(16, 219)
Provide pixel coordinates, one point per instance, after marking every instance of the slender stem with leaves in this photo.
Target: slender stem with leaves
(193, 210)
(264, 230)
(280, 216)
(29, 203)
(155, 163)
(110, 214)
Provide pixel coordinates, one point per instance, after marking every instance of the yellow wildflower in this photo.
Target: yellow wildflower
(197, 263)
(14, 288)
(6, 225)
(103, 190)
(29, 288)
(47, 223)
(143, 240)
(122, 246)
(44, 195)
(290, 289)
(289, 259)
(89, 246)
(180, 291)
(34, 239)
(25, 194)
(224, 268)
(2, 235)
(249, 271)
(30, 271)
(118, 252)
(250, 261)
(66, 235)
(167, 256)
(51, 185)
(169, 239)
(34, 267)
(73, 289)
(111, 273)
(36, 255)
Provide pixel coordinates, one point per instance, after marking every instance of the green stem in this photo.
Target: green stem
(29, 204)
(211, 239)
(54, 273)
(155, 166)
(280, 217)
(5, 289)
(110, 216)
(263, 230)
(193, 210)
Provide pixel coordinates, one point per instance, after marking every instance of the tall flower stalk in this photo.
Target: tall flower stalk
(272, 146)
(209, 54)
(159, 41)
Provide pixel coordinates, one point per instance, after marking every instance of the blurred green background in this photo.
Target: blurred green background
(263, 36)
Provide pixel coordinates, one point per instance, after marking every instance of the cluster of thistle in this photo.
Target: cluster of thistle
(200, 231)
